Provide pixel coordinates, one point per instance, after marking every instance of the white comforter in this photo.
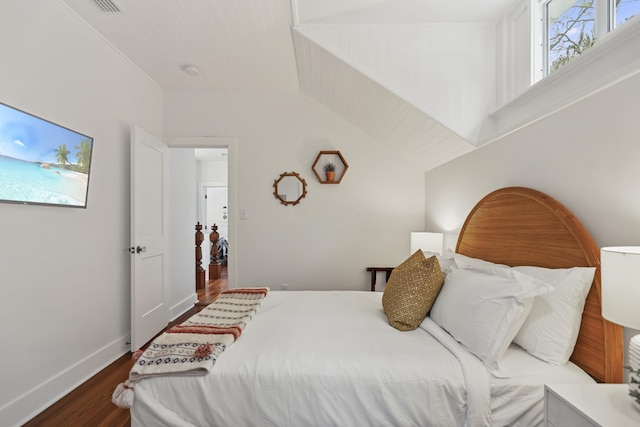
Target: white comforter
(324, 359)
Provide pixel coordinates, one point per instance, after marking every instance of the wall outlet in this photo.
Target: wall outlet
(284, 287)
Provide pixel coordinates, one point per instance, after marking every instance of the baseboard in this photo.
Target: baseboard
(31, 403)
(180, 308)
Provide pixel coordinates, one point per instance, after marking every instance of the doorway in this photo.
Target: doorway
(221, 151)
(213, 203)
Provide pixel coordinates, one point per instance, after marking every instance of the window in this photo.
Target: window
(570, 31)
(573, 26)
(625, 10)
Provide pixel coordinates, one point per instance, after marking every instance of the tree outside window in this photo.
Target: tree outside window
(571, 30)
(571, 26)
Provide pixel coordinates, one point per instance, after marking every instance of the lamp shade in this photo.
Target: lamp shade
(620, 272)
(428, 242)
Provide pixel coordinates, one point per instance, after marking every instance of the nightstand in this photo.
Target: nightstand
(568, 405)
(374, 272)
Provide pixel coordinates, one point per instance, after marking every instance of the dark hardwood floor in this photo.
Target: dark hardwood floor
(90, 404)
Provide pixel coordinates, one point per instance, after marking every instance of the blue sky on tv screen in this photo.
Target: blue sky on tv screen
(29, 138)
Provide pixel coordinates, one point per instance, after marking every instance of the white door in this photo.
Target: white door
(216, 212)
(217, 209)
(149, 226)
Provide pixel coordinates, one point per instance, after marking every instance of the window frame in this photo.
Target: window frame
(604, 24)
(613, 16)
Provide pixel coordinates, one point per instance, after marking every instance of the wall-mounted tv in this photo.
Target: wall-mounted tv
(41, 162)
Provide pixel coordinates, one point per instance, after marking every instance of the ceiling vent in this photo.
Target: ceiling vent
(107, 6)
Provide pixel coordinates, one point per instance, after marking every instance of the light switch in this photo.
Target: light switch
(243, 213)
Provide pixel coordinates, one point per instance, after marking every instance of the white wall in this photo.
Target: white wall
(66, 315)
(214, 171)
(585, 156)
(513, 53)
(327, 240)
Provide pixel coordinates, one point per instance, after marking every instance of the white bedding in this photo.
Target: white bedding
(518, 401)
(331, 359)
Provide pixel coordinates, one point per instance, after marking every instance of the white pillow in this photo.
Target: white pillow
(446, 260)
(463, 261)
(551, 329)
(483, 309)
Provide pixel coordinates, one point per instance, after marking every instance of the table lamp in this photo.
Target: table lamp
(620, 273)
(426, 241)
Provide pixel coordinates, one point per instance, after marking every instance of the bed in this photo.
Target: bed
(331, 358)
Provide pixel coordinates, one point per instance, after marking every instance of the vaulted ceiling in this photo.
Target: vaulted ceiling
(415, 75)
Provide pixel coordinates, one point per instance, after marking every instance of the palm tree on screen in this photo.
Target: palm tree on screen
(62, 154)
(83, 155)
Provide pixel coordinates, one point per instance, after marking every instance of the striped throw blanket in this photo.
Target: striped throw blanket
(193, 347)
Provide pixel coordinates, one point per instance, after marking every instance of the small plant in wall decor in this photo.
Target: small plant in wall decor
(330, 171)
(333, 164)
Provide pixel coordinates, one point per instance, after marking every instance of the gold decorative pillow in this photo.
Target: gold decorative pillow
(411, 291)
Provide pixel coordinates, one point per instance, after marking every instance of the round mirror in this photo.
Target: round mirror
(289, 188)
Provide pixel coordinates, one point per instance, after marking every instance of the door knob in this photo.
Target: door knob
(141, 249)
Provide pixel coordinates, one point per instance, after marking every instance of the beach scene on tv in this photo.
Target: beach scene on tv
(41, 162)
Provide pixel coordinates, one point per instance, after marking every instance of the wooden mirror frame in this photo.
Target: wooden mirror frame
(299, 178)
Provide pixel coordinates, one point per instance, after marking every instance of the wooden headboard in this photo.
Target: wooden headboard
(521, 226)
